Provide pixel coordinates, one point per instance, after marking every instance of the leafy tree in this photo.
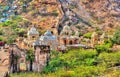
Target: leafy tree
(24, 8)
(1, 32)
(104, 47)
(109, 59)
(69, 61)
(80, 63)
(80, 34)
(20, 31)
(55, 12)
(1, 38)
(101, 48)
(11, 39)
(30, 57)
(87, 35)
(116, 37)
(16, 57)
(22, 1)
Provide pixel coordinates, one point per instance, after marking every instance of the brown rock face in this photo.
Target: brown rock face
(105, 12)
(54, 14)
(4, 63)
(4, 56)
(45, 15)
(3, 2)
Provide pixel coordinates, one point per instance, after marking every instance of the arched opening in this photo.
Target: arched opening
(71, 42)
(52, 32)
(33, 37)
(76, 41)
(65, 42)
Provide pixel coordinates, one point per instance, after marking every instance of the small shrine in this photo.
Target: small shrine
(47, 39)
(94, 39)
(103, 37)
(66, 37)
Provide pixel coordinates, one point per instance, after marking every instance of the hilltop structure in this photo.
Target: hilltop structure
(47, 39)
(34, 39)
(97, 39)
(66, 37)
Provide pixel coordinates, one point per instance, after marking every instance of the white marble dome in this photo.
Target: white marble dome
(48, 33)
(43, 38)
(66, 31)
(47, 36)
(48, 39)
(66, 28)
(33, 31)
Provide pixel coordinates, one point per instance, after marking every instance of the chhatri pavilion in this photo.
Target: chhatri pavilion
(34, 39)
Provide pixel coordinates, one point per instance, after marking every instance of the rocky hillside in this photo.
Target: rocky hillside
(106, 13)
(81, 15)
(100, 14)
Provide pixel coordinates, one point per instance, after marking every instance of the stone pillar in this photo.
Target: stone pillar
(94, 39)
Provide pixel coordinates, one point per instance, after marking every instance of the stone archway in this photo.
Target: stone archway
(76, 41)
(22, 65)
(42, 57)
(52, 32)
(71, 42)
(65, 41)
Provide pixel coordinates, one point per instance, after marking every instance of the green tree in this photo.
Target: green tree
(11, 39)
(109, 59)
(1, 31)
(116, 37)
(104, 47)
(24, 8)
(20, 31)
(30, 57)
(87, 35)
(16, 57)
(1, 38)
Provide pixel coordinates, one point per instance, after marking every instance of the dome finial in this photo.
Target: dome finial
(33, 31)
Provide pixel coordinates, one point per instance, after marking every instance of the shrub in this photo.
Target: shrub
(81, 64)
(116, 37)
(87, 35)
(104, 47)
(109, 59)
(20, 31)
(24, 8)
(11, 39)
(101, 48)
(55, 12)
(1, 31)
(1, 38)
(68, 60)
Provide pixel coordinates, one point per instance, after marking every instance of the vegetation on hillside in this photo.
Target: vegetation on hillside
(85, 16)
(79, 63)
(11, 29)
(116, 37)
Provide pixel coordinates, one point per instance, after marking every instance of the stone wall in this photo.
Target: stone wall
(42, 55)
